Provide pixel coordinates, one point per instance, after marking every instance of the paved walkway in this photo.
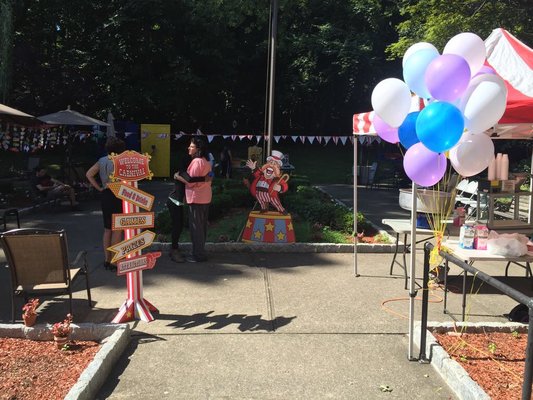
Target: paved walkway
(260, 326)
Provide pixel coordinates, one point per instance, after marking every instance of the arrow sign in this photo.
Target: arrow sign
(132, 194)
(129, 246)
(146, 261)
(132, 221)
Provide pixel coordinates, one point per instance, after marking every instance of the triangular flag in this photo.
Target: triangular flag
(226, 136)
(250, 137)
(258, 138)
(343, 139)
(199, 132)
(311, 139)
(233, 137)
(302, 138)
(351, 139)
(210, 138)
(284, 137)
(319, 139)
(335, 139)
(294, 138)
(326, 139)
(276, 138)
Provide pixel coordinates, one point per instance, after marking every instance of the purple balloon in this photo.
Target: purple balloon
(485, 70)
(423, 166)
(447, 77)
(385, 131)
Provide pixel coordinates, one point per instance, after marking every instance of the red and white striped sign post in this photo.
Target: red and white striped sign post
(130, 167)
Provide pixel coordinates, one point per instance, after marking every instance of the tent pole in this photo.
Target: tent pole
(529, 211)
(412, 291)
(355, 205)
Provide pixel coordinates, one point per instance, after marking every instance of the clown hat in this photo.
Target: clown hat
(276, 156)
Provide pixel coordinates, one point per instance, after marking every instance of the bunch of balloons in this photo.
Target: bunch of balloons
(463, 99)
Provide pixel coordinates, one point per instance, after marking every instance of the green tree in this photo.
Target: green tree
(437, 21)
(202, 63)
(6, 44)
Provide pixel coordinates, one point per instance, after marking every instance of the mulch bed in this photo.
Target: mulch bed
(494, 360)
(35, 370)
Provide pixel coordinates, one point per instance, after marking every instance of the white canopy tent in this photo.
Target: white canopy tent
(13, 115)
(513, 61)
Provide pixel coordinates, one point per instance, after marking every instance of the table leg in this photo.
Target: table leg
(507, 268)
(395, 253)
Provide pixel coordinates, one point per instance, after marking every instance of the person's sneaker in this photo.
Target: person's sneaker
(176, 256)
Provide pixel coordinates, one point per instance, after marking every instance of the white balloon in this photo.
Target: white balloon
(472, 154)
(391, 100)
(415, 47)
(483, 103)
(469, 46)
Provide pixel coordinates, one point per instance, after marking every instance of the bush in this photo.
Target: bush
(163, 222)
(219, 204)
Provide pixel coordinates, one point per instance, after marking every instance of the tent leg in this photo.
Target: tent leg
(355, 206)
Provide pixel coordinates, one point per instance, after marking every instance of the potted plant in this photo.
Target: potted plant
(29, 312)
(61, 331)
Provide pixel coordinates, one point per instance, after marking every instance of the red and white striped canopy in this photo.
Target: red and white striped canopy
(362, 123)
(513, 61)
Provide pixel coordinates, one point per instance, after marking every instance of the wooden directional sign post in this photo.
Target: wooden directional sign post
(130, 167)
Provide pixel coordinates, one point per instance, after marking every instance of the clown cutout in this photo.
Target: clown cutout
(268, 182)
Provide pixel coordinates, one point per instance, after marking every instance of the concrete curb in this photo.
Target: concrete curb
(450, 370)
(238, 247)
(114, 339)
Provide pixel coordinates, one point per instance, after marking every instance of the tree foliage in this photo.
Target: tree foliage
(202, 63)
(437, 21)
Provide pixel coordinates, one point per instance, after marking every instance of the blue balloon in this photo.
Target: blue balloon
(414, 71)
(440, 126)
(407, 130)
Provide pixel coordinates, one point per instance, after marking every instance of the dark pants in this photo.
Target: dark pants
(198, 214)
(176, 215)
(110, 205)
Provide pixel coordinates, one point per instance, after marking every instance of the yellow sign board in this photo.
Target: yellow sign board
(155, 140)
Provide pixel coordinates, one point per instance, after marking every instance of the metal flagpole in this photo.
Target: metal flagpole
(272, 73)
